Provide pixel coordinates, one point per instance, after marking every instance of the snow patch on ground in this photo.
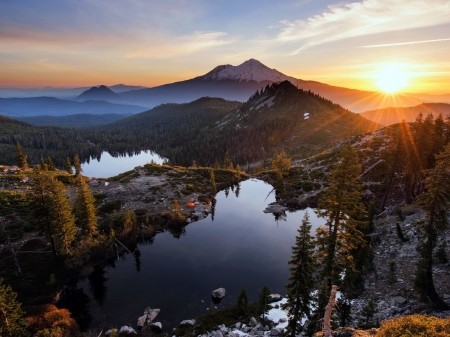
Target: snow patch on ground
(275, 314)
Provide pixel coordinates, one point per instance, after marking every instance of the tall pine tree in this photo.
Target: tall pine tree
(69, 168)
(264, 302)
(345, 213)
(301, 281)
(85, 208)
(77, 165)
(21, 158)
(435, 203)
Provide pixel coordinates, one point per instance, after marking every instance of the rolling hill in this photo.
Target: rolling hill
(390, 116)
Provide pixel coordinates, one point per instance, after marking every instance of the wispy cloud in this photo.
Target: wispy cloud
(404, 43)
(182, 45)
(364, 18)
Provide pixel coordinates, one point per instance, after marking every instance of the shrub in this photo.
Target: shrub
(415, 325)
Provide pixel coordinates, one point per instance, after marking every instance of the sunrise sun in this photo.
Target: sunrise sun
(391, 78)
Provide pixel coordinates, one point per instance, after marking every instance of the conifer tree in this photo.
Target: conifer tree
(242, 302)
(77, 165)
(69, 168)
(85, 208)
(264, 302)
(11, 322)
(175, 211)
(228, 165)
(301, 286)
(44, 166)
(435, 203)
(63, 220)
(50, 165)
(129, 223)
(344, 211)
(21, 158)
(212, 179)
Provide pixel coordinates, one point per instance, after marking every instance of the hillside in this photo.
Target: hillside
(73, 121)
(100, 93)
(390, 116)
(49, 106)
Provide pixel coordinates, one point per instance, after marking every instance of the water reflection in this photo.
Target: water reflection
(236, 246)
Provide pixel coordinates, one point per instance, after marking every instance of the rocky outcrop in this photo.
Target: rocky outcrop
(148, 317)
(218, 293)
(188, 322)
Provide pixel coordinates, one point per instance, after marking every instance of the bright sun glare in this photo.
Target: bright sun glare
(392, 78)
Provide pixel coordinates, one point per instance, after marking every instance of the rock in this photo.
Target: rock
(224, 329)
(188, 322)
(398, 300)
(218, 334)
(258, 326)
(275, 297)
(149, 316)
(107, 333)
(266, 328)
(218, 293)
(275, 332)
(282, 320)
(253, 321)
(127, 329)
(157, 326)
(238, 325)
(94, 183)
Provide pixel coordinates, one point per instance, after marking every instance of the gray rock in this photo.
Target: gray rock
(218, 293)
(218, 334)
(224, 329)
(266, 328)
(156, 326)
(275, 297)
(238, 325)
(188, 322)
(398, 300)
(275, 332)
(149, 316)
(282, 320)
(127, 329)
(253, 321)
(258, 326)
(107, 333)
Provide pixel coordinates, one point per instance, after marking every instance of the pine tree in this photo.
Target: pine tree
(77, 165)
(44, 166)
(435, 202)
(242, 302)
(264, 302)
(301, 286)
(85, 208)
(11, 322)
(216, 165)
(63, 220)
(175, 211)
(212, 179)
(344, 211)
(228, 165)
(21, 158)
(281, 163)
(69, 168)
(50, 165)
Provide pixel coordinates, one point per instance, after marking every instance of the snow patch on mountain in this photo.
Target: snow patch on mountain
(250, 70)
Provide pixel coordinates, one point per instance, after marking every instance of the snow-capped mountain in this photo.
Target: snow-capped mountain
(250, 70)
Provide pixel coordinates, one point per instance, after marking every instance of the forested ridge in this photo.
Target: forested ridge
(280, 115)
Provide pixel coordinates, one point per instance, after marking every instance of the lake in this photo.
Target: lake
(109, 166)
(241, 247)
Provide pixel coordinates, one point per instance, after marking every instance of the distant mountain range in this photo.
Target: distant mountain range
(50, 106)
(390, 116)
(73, 121)
(100, 93)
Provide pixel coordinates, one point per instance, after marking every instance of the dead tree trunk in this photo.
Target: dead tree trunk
(8, 241)
(328, 311)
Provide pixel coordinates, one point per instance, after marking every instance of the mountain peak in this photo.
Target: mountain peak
(102, 93)
(251, 70)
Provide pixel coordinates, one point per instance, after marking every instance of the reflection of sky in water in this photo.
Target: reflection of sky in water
(109, 166)
(242, 247)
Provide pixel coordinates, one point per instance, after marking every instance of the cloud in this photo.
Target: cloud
(364, 18)
(404, 43)
(182, 45)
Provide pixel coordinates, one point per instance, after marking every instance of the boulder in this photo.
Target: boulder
(282, 320)
(275, 297)
(238, 325)
(107, 333)
(188, 322)
(275, 331)
(149, 316)
(157, 326)
(127, 329)
(218, 334)
(218, 293)
(398, 300)
(253, 321)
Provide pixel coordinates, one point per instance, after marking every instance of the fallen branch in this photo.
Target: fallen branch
(370, 168)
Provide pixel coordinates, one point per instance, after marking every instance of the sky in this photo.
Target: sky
(65, 43)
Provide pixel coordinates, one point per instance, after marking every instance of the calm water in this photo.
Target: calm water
(109, 166)
(242, 247)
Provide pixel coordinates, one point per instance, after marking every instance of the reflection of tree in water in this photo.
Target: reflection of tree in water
(137, 259)
(238, 190)
(176, 229)
(97, 284)
(213, 208)
(227, 191)
(77, 302)
(282, 216)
